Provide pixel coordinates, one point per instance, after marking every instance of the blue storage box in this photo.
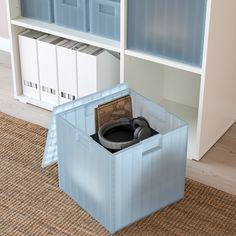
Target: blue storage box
(121, 188)
(38, 9)
(72, 14)
(105, 18)
(169, 29)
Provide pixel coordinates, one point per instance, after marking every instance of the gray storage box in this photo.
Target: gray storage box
(72, 13)
(38, 9)
(169, 29)
(105, 18)
(121, 188)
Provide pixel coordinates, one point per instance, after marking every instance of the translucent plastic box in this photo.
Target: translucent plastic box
(121, 188)
(72, 14)
(38, 9)
(105, 18)
(166, 28)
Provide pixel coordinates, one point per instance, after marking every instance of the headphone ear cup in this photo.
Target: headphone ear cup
(142, 133)
(144, 121)
(137, 132)
(139, 121)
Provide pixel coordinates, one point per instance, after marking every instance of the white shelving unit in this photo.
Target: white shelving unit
(203, 96)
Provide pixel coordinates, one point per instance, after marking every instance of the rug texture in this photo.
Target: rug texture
(32, 204)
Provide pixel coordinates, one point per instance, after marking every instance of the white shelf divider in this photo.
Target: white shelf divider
(64, 32)
(164, 61)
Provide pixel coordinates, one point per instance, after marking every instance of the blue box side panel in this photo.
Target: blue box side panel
(38, 9)
(72, 13)
(105, 18)
(172, 29)
(148, 181)
(85, 172)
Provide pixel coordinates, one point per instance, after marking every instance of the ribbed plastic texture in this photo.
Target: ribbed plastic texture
(121, 188)
(105, 18)
(38, 9)
(72, 14)
(173, 29)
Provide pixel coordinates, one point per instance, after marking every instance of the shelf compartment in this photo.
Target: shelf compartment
(163, 61)
(64, 32)
(174, 89)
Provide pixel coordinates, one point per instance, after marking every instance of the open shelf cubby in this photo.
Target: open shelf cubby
(176, 90)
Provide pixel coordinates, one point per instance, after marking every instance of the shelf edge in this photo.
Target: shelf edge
(163, 61)
(66, 33)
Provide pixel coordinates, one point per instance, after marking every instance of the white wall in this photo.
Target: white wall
(3, 20)
(4, 34)
(145, 77)
(158, 82)
(181, 86)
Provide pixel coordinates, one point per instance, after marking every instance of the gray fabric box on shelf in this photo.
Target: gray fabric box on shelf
(72, 14)
(168, 29)
(105, 18)
(38, 9)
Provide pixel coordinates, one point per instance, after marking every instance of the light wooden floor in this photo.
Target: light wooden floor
(9, 105)
(217, 168)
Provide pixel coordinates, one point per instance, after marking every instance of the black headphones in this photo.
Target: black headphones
(139, 126)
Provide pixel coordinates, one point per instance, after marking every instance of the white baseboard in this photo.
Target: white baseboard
(5, 44)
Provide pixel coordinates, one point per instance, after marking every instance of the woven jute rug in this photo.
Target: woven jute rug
(32, 204)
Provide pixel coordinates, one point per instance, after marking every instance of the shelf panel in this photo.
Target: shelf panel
(163, 61)
(190, 115)
(25, 99)
(64, 32)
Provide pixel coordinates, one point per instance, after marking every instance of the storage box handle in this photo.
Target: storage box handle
(71, 3)
(106, 9)
(154, 149)
(152, 146)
